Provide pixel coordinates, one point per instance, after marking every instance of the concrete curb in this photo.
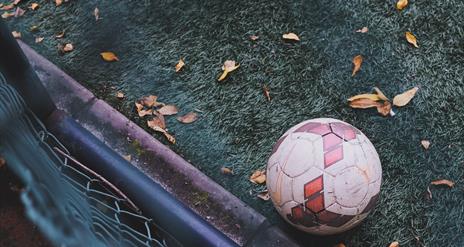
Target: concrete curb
(225, 211)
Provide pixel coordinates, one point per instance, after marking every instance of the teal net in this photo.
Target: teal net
(71, 204)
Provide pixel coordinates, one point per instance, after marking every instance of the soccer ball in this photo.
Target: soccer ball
(324, 176)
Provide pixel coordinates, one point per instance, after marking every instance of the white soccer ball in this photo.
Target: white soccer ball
(324, 176)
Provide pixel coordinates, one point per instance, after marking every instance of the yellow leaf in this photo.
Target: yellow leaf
(370, 96)
(357, 61)
(394, 244)
(68, 48)
(425, 144)
(266, 92)
(109, 56)
(226, 170)
(179, 65)
(229, 66)
(120, 95)
(290, 36)
(411, 39)
(188, 118)
(168, 110)
(364, 103)
(264, 195)
(404, 98)
(58, 2)
(258, 177)
(363, 30)
(16, 35)
(401, 4)
(443, 182)
(34, 6)
(380, 94)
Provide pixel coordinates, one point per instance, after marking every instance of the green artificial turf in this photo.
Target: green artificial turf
(307, 79)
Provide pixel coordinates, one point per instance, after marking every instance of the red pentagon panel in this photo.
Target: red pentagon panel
(313, 187)
(297, 213)
(331, 157)
(330, 141)
(315, 128)
(276, 146)
(340, 221)
(315, 204)
(325, 216)
(344, 131)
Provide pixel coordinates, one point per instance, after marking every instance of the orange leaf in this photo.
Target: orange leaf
(258, 177)
(138, 106)
(266, 92)
(290, 36)
(394, 244)
(58, 2)
(188, 118)
(404, 98)
(364, 103)
(168, 110)
(7, 15)
(357, 61)
(385, 108)
(109, 56)
(425, 144)
(229, 66)
(34, 6)
(443, 182)
(401, 4)
(370, 96)
(179, 65)
(411, 39)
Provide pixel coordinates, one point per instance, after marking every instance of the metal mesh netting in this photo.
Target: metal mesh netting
(72, 205)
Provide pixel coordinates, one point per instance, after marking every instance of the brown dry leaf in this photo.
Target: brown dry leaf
(109, 56)
(381, 94)
(127, 157)
(16, 2)
(254, 37)
(370, 96)
(404, 98)
(266, 92)
(168, 136)
(394, 244)
(179, 65)
(227, 171)
(120, 95)
(16, 34)
(60, 35)
(8, 7)
(264, 195)
(188, 118)
(7, 15)
(258, 177)
(143, 113)
(443, 182)
(39, 39)
(168, 110)
(34, 6)
(290, 36)
(385, 108)
(68, 47)
(229, 66)
(58, 2)
(96, 13)
(411, 39)
(363, 30)
(357, 62)
(364, 103)
(151, 101)
(425, 144)
(19, 12)
(157, 121)
(401, 4)
(34, 28)
(2, 162)
(138, 107)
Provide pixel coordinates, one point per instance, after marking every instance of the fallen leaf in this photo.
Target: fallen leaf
(425, 144)
(411, 39)
(227, 171)
(357, 61)
(179, 65)
(340, 245)
(8, 7)
(34, 28)
(16, 2)
(34, 6)
(19, 12)
(127, 157)
(120, 95)
(168, 110)
(39, 39)
(138, 107)
(381, 94)
(266, 92)
(2, 162)
(60, 35)
(58, 2)
(7, 15)
(401, 4)
(264, 195)
(394, 244)
(363, 30)
(96, 13)
(16, 34)
(404, 98)
(254, 37)
(229, 66)
(364, 103)
(68, 47)
(188, 118)
(109, 56)
(443, 182)
(290, 36)
(370, 96)
(157, 121)
(258, 177)
(143, 113)
(168, 136)
(151, 101)
(384, 108)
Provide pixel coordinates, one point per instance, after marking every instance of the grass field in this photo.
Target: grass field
(307, 79)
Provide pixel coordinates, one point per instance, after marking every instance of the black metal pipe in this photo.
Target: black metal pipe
(177, 219)
(19, 73)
